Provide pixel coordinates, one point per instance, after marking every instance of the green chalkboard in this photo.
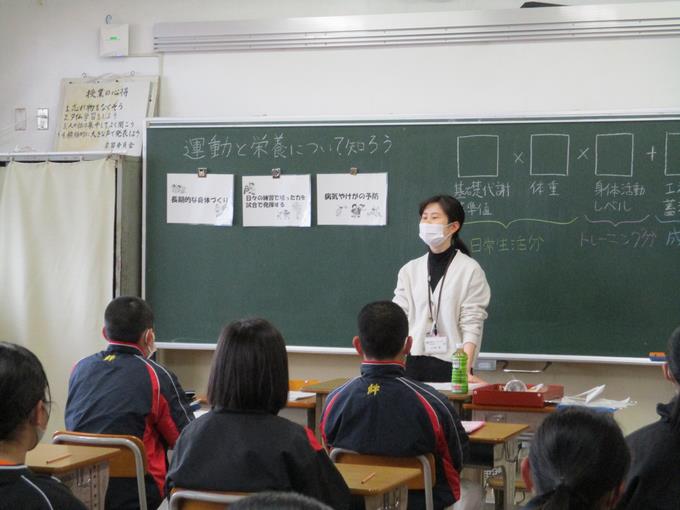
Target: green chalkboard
(576, 223)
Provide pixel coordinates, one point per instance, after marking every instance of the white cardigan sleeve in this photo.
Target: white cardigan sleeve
(473, 308)
(402, 294)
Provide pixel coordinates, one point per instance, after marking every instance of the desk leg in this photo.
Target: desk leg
(320, 400)
(505, 456)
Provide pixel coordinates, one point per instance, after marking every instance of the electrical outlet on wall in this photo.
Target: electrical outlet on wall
(42, 118)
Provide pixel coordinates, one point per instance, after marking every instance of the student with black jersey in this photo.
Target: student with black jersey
(122, 390)
(241, 444)
(577, 461)
(24, 413)
(654, 478)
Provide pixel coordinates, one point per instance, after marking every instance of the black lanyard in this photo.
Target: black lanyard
(429, 292)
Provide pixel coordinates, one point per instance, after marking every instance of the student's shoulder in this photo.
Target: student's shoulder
(54, 490)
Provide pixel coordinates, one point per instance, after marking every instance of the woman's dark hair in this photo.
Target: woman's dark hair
(454, 212)
(23, 384)
(577, 458)
(250, 368)
(674, 366)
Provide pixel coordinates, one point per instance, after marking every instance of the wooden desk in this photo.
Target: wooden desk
(309, 404)
(322, 390)
(495, 445)
(84, 469)
(386, 489)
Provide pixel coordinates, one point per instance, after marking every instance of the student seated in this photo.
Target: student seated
(577, 461)
(241, 444)
(385, 413)
(24, 413)
(654, 477)
(122, 391)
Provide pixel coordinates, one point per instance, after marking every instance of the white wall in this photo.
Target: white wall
(43, 41)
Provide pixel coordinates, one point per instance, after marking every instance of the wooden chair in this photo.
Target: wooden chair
(129, 463)
(424, 463)
(184, 499)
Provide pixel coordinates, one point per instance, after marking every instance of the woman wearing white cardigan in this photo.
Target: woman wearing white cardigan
(444, 294)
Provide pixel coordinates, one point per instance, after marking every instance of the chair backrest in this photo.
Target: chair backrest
(296, 384)
(131, 462)
(183, 499)
(424, 463)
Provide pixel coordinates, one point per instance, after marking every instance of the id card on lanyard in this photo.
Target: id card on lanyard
(434, 342)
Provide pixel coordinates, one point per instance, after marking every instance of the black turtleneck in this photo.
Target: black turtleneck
(437, 264)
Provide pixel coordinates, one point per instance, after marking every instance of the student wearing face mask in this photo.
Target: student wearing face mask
(24, 413)
(122, 391)
(444, 294)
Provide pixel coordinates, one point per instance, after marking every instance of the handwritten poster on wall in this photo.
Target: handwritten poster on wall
(103, 116)
(285, 201)
(197, 200)
(345, 199)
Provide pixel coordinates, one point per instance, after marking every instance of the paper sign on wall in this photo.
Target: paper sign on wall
(197, 200)
(345, 199)
(106, 116)
(285, 201)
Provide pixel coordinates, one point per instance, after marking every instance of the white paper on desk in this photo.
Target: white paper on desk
(285, 201)
(471, 426)
(446, 386)
(197, 200)
(298, 395)
(589, 399)
(346, 199)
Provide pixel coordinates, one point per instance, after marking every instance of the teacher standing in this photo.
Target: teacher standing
(444, 294)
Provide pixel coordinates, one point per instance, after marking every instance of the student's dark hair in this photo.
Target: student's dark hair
(250, 368)
(674, 366)
(577, 458)
(126, 318)
(278, 501)
(454, 212)
(23, 384)
(383, 328)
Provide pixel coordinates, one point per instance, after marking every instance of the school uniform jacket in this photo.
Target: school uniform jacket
(119, 391)
(20, 488)
(653, 480)
(250, 451)
(384, 413)
(464, 298)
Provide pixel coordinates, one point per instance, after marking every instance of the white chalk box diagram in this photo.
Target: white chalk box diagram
(477, 155)
(614, 154)
(549, 154)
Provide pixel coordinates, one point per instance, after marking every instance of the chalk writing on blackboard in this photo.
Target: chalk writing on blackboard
(277, 146)
(504, 244)
(641, 238)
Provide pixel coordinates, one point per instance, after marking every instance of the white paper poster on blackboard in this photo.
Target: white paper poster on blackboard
(285, 201)
(197, 200)
(346, 199)
(103, 116)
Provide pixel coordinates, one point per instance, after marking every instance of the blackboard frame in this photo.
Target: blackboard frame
(169, 123)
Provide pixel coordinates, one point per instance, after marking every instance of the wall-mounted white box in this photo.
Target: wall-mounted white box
(114, 40)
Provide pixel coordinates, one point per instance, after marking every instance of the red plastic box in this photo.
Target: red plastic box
(494, 395)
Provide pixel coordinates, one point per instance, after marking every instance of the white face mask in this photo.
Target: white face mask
(432, 234)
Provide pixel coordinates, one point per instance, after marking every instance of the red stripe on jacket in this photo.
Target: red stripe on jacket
(442, 446)
(158, 422)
